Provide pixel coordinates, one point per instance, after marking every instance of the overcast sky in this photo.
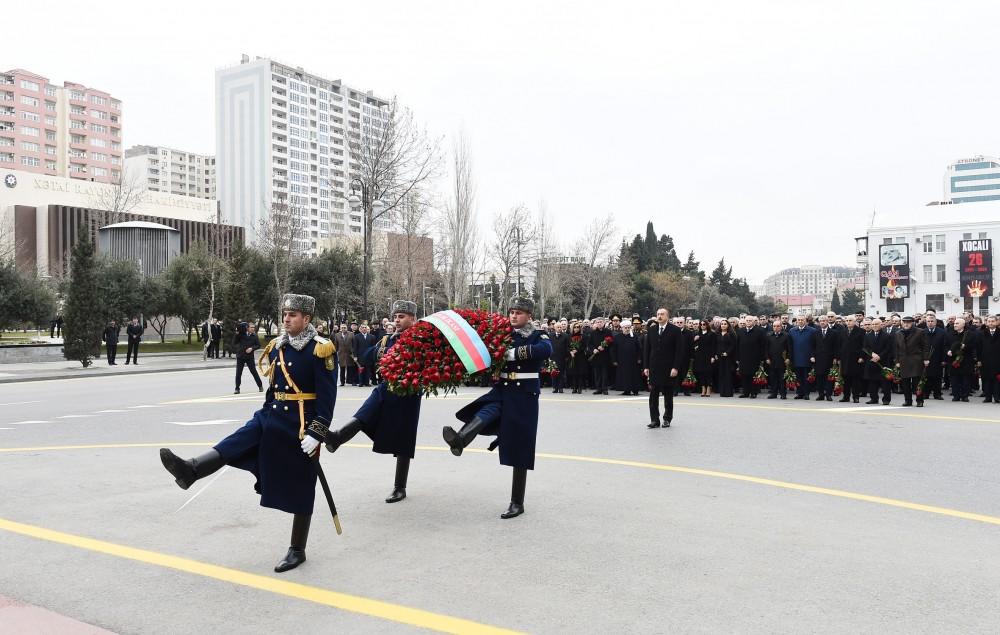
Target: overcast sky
(765, 132)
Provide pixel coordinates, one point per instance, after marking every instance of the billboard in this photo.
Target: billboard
(894, 271)
(975, 258)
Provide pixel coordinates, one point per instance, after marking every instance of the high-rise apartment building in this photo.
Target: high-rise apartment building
(974, 179)
(284, 137)
(69, 130)
(813, 280)
(161, 169)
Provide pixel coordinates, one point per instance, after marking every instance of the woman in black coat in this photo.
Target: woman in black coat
(704, 350)
(626, 357)
(725, 351)
(579, 369)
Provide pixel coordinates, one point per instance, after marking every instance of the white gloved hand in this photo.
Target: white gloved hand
(509, 355)
(309, 445)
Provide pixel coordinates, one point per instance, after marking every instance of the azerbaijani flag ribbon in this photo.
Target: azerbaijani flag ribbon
(463, 338)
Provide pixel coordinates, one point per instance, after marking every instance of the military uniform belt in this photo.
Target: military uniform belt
(294, 396)
(514, 376)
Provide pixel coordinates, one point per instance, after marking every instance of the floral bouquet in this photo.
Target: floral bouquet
(608, 341)
(888, 374)
(424, 362)
(760, 377)
(836, 376)
(791, 383)
(921, 387)
(551, 368)
(689, 382)
(575, 345)
(811, 377)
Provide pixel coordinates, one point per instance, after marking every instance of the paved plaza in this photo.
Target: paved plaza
(745, 516)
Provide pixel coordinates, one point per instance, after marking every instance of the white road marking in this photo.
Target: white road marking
(100, 412)
(73, 416)
(861, 408)
(21, 423)
(207, 485)
(207, 422)
(18, 403)
(6, 428)
(144, 406)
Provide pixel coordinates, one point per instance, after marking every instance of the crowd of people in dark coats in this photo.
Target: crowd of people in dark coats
(850, 357)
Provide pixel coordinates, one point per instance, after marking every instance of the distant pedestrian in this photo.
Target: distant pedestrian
(111, 334)
(245, 343)
(216, 331)
(134, 333)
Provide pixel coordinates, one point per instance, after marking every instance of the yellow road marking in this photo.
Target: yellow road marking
(352, 603)
(799, 487)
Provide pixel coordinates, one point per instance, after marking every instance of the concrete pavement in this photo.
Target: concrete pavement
(745, 516)
(148, 363)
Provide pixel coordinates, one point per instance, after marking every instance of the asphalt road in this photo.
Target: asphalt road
(745, 516)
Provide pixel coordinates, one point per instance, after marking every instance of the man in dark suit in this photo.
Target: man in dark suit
(134, 333)
(878, 350)
(913, 356)
(990, 361)
(751, 345)
(110, 338)
(851, 362)
(560, 355)
(662, 361)
(937, 342)
(216, 331)
(779, 352)
(363, 340)
(599, 354)
(961, 354)
(827, 354)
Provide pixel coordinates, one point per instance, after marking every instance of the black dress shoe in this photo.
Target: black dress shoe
(653, 424)
(907, 404)
(398, 494)
(236, 392)
(955, 399)
(886, 402)
(829, 398)
(666, 423)
(798, 396)
(965, 399)
(772, 396)
(920, 404)
(856, 400)
(938, 398)
(515, 509)
(292, 559)
(784, 397)
(845, 399)
(872, 402)
(744, 396)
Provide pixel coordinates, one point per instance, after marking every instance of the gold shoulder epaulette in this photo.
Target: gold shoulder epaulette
(324, 348)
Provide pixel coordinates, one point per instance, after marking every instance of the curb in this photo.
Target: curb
(115, 373)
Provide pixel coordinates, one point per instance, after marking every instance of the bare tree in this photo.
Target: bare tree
(409, 257)
(392, 157)
(119, 197)
(510, 250)
(278, 239)
(546, 264)
(595, 275)
(213, 266)
(458, 227)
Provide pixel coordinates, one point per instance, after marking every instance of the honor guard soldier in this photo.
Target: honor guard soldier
(280, 444)
(389, 420)
(510, 409)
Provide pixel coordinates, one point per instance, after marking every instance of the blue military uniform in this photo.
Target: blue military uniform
(389, 420)
(510, 409)
(268, 445)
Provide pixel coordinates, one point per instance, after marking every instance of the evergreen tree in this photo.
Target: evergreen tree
(722, 278)
(835, 303)
(84, 321)
(853, 301)
(637, 250)
(692, 269)
(667, 254)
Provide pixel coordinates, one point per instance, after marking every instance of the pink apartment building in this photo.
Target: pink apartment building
(70, 130)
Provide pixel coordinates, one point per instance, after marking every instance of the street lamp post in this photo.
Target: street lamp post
(370, 210)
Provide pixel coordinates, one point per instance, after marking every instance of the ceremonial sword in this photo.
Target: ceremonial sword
(329, 496)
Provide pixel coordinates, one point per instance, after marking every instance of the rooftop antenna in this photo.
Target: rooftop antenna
(872, 224)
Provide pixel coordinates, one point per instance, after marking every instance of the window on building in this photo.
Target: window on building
(935, 302)
(29, 131)
(100, 172)
(29, 85)
(50, 135)
(30, 161)
(29, 146)
(29, 101)
(894, 305)
(967, 236)
(928, 273)
(928, 242)
(30, 116)
(50, 91)
(982, 234)
(941, 273)
(50, 150)
(939, 243)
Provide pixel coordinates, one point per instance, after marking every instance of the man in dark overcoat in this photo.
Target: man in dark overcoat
(751, 344)
(990, 360)
(913, 357)
(851, 362)
(827, 354)
(878, 353)
(664, 360)
(778, 356)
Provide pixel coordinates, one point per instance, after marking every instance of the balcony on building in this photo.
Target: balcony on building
(861, 247)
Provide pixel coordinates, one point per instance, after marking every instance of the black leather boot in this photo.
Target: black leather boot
(187, 472)
(461, 439)
(340, 436)
(516, 494)
(399, 485)
(297, 551)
